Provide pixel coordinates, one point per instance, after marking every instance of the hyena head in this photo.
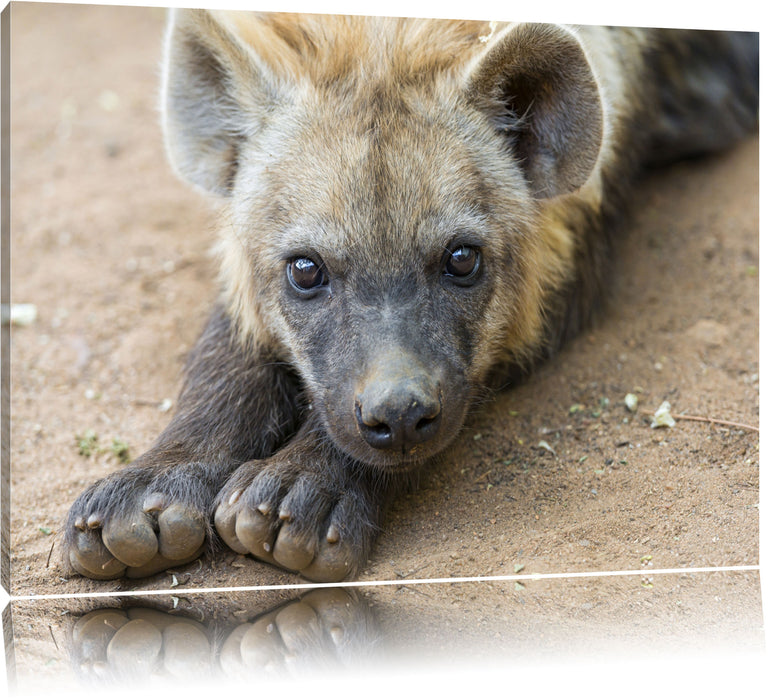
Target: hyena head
(381, 181)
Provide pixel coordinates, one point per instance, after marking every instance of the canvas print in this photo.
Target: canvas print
(302, 299)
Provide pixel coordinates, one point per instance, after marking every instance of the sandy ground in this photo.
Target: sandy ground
(113, 252)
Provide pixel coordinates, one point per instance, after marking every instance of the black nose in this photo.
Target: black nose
(398, 416)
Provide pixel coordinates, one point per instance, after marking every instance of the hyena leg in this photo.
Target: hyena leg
(235, 406)
(307, 508)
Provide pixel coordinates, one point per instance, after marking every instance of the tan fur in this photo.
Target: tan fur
(325, 48)
(345, 71)
(326, 56)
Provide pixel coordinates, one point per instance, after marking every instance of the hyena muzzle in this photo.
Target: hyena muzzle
(410, 208)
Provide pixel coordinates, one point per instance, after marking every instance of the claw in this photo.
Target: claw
(94, 521)
(153, 502)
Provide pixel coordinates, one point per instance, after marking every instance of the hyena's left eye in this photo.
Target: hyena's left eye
(462, 263)
(306, 275)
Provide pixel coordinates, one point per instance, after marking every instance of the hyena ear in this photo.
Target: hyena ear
(536, 84)
(214, 90)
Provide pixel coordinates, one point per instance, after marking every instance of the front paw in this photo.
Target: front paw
(298, 515)
(135, 523)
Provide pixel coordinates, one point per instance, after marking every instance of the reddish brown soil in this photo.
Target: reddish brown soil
(113, 252)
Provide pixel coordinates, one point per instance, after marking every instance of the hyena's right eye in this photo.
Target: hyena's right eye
(306, 275)
(462, 264)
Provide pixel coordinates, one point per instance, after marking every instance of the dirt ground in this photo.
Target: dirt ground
(556, 475)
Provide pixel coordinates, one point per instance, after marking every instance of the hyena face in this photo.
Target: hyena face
(379, 230)
(375, 248)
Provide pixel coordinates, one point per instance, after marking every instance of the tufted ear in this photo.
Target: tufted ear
(215, 91)
(536, 84)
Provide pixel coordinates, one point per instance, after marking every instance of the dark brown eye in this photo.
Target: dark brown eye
(463, 262)
(306, 275)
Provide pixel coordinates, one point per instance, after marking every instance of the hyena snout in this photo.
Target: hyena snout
(398, 405)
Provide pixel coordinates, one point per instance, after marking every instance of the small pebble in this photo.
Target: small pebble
(662, 417)
(544, 445)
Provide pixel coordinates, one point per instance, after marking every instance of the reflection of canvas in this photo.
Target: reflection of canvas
(126, 644)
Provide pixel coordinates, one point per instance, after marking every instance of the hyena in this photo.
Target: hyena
(412, 210)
